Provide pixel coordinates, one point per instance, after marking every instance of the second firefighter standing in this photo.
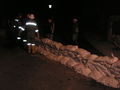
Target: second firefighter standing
(50, 29)
(75, 30)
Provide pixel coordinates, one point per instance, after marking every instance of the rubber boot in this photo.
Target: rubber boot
(33, 49)
(29, 49)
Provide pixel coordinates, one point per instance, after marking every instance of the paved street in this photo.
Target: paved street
(21, 71)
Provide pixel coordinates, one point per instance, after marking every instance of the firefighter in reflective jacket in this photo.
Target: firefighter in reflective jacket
(15, 31)
(30, 32)
(19, 22)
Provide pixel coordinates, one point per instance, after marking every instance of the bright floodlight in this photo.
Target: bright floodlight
(50, 6)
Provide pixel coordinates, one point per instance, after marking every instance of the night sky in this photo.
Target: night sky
(93, 14)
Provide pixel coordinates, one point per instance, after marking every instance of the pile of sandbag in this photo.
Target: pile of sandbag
(103, 69)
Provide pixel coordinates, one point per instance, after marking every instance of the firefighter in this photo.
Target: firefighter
(75, 30)
(50, 28)
(30, 32)
(17, 25)
(18, 21)
(14, 26)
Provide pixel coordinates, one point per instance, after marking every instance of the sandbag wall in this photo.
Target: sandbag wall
(103, 69)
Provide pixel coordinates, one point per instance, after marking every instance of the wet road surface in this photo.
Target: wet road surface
(21, 71)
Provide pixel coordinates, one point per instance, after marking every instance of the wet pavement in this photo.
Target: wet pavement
(102, 45)
(21, 71)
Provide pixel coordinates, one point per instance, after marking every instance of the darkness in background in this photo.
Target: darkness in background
(92, 14)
